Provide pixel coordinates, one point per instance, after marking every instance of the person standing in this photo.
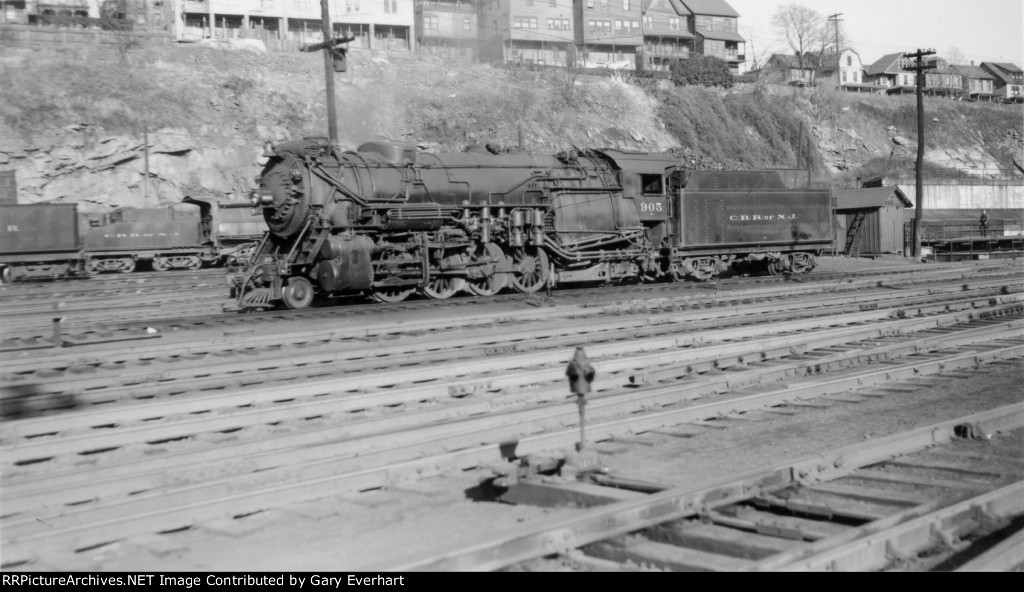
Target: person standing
(984, 223)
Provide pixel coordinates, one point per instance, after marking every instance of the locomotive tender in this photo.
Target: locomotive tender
(387, 221)
(53, 241)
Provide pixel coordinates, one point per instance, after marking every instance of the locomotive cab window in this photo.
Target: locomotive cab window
(652, 184)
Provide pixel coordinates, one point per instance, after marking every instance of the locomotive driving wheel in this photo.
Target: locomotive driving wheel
(194, 262)
(441, 287)
(127, 265)
(388, 265)
(492, 281)
(531, 269)
(297, 293)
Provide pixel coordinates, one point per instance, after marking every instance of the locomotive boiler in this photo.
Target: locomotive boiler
(388, 221)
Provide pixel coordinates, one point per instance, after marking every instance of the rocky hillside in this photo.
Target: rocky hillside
(79, 123)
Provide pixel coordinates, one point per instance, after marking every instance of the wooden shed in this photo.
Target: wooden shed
(869, 221)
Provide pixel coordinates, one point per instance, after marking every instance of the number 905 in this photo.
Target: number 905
(650, 206)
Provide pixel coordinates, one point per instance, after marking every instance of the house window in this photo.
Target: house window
(618, 25)
(430, 22)
(590, 3)
(849, 60)
(625, 5)
(844, 76)
(673, 23)
(648, 22)
(466, 24)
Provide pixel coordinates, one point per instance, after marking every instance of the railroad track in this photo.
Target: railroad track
(144, 373)
(872, 506)
(156, 473)
(171, 313)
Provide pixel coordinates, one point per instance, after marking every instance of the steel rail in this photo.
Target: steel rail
(533, 541)
(56, 487)
(189, 342)
(193, 371)
(617, 354)
(875, 551)
(298, 481)
(321, 314)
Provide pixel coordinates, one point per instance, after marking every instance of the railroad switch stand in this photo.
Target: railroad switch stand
(581, 375)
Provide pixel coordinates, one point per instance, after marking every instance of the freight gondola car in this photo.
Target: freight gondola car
(388, 222)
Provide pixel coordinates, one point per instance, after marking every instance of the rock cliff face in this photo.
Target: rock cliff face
(70, 120)
(101, 171)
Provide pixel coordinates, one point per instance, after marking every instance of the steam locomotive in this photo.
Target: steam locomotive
(388, 221)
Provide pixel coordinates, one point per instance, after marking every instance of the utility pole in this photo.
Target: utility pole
(919, 66)
(836, 20)
(334, 61)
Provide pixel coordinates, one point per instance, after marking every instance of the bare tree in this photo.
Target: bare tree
(955, 57)
(802, 27)
(755, 59)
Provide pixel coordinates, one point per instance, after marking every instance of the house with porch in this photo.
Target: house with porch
(715, 26)
(1009, 81)
(790, 69)
(667, 33)
(447, 28)
(374, 24)
(845, 71)
(892, 74)
(977, 83)
(539, 32)
(607, 32)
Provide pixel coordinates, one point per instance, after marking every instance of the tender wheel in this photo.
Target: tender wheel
(6, 277)
(772, 268)
(492, 282)
(531, 269)
(127, 265)
(161, 264)
(298, 293)
(194, 263)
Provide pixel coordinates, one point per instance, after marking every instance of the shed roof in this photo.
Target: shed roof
(871, 197)
(711, 7)
(721, 35)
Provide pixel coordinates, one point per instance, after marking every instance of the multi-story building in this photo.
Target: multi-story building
(978, 85)
(668, 36)
(790, 69)
(1009, 81)
(448, 28)
(374, 24)
(893, 73)
(716, 26)
(845, 70)
(608, 32)
(528, 31)
(941, 79)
